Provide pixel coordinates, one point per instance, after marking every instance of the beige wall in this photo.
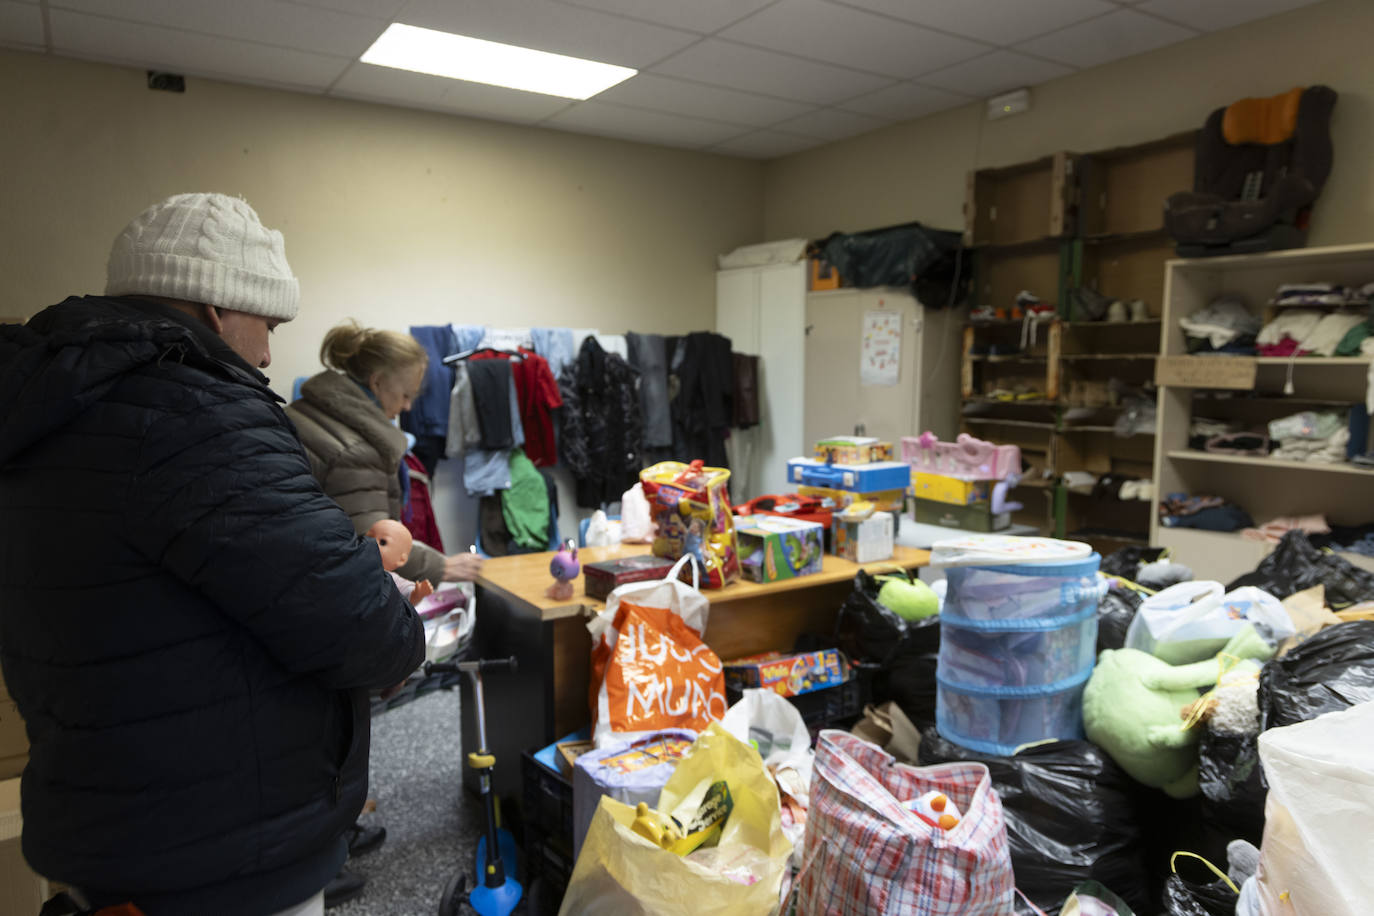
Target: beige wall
(392, 216)
(916, 170)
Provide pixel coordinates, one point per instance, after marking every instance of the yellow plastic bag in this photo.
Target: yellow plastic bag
(620, 872)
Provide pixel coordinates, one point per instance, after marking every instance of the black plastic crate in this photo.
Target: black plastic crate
(548, 804)
(824, 708)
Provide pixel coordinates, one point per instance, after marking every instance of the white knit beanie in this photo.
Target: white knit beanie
(207, 248)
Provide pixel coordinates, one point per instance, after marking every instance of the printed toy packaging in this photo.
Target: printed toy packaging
(853, 450)
(691, 509)
(773, 547)
(787, 675)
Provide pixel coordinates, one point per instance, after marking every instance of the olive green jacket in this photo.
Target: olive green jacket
(355, 454)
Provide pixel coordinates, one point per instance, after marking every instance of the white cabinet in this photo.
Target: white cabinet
(809, 380)
(763, 310)
(926, 395)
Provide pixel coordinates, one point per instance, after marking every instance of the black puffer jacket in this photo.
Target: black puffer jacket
(188, 624)
(602, 429)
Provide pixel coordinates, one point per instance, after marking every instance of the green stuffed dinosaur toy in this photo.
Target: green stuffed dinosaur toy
(1134, 708)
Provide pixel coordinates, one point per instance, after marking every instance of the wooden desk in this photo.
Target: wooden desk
(549, 695)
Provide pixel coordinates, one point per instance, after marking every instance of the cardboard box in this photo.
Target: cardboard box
(884, 500)
(1233, 372)
(773, 547)
(964, 518)
(865, 541)
(600, 579)
(853, 450)
(567, 753)
(14, 741)
(824, 275)
(955, 490)
(859, 478)
(787, 675)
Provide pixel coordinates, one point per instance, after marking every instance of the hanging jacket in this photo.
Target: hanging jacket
(418, 514)
(704, 406)
(188, 624)
(428, 413)
(355, 454)
(602, 425)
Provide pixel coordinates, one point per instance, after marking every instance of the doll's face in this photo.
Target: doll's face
(394, 541)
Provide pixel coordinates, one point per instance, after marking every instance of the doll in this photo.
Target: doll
(394, 542)
(564, 569)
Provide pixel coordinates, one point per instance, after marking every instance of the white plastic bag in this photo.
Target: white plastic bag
(773, 725)
(635, 525)
(1192, 621)
(687, 601)
(1314, 860)
(600, 532)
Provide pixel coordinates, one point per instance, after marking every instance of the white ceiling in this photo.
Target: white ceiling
(754, 78)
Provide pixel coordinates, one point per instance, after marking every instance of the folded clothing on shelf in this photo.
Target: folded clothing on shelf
(1274, 529)
(1221, 322)
(1330, 450)
(1209, 513)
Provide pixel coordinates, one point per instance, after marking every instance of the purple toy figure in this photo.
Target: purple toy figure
(564, 569)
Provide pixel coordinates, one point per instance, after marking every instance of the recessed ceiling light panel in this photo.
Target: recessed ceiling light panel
(408, 47)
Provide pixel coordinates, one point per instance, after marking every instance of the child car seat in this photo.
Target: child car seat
(1260, 165)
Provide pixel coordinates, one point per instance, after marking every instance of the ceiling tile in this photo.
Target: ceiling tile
(21, 24)
(993, 73)
(373, 9)
(97, 38)
(765, 144)
(435, 93)
(387, 84)
(1107, 38)
(663, 93)
(1218, 14)
(1001, 22)
(483, 101)
(268, 21)
(724, 63)
(905, 101)
(852, 38)
(549, 26)
(703, 16)
(643, 126)
(831, 124)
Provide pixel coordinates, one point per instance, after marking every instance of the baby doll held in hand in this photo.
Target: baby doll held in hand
(394, 541)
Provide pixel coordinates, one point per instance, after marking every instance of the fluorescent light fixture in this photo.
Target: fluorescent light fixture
(408, 47)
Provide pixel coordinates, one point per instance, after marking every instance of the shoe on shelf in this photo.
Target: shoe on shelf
(363, 839)
(345, 886)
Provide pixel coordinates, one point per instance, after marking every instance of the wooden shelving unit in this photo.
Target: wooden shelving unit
(1048, 226)
(1193, 386)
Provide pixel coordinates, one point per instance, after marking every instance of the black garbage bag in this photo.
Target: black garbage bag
(1333, 670)
(1115, 612)
(1126, 561)
(1070, 817)
(897, 657)
(1185, 896)
(931, 262)
(1296, 565)
(1232, 784)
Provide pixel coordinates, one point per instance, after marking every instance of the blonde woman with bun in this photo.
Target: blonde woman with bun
(345, 417)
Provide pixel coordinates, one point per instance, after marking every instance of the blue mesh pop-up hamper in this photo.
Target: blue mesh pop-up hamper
(1017, 645)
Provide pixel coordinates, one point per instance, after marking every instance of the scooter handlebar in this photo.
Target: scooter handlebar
(476, 665)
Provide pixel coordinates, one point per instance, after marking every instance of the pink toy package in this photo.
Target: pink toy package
(967, 457)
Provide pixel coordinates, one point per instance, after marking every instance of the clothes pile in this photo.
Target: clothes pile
(1223, 326)
(1209, 513)
(1318, 437)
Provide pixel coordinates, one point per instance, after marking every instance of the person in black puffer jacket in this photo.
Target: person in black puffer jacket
(188, 624)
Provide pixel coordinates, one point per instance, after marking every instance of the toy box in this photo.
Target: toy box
(969, 518)
(865, 541)
(600, 579)
(788, 675)
(853, 450)
(965, 457)
(954, 490)
(860, 478)
(772, 547)
(884, 500)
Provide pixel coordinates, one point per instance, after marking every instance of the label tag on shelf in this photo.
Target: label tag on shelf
(1235, 372)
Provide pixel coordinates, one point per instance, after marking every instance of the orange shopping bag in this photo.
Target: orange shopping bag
(651, 671)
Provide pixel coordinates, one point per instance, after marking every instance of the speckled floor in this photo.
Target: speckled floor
(432, 824)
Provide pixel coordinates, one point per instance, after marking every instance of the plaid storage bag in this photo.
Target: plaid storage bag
(865, 853)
